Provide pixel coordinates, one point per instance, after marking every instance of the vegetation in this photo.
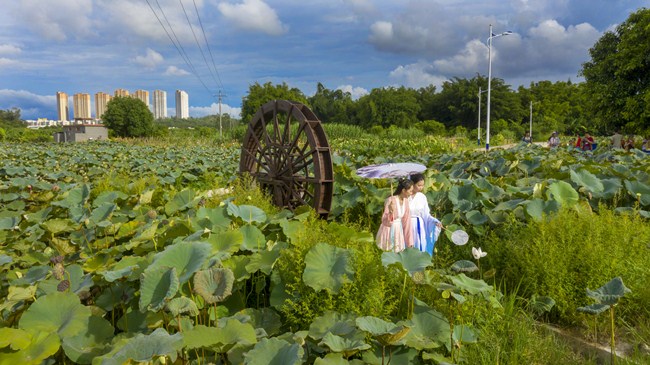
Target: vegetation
(128, 117)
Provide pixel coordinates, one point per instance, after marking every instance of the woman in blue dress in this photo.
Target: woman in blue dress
(426, 228)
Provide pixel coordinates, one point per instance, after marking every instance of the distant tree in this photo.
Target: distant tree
(259, 95)
(386, 107)
(128, 117)
(10, 118)
(618, 75)
(426, 98)
(331, 106)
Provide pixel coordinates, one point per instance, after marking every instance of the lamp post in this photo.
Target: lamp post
(479, 114)
(531, 118)
(489, 43)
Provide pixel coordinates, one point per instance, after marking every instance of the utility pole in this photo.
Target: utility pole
(220, 95)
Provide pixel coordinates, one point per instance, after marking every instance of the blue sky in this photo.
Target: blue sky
(354, 45)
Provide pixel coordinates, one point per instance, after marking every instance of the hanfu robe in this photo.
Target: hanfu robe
(425, 227)
(395, 232)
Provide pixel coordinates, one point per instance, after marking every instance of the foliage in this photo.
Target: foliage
(387, 107)
(617, 77)
(128, 117)
(331, 106)
(259, 95)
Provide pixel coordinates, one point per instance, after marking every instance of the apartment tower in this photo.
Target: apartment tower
(81, 104)
(101, 100)
(182, 105)
(159, 104)
(121, 92)
(62, 106)
(142, 95)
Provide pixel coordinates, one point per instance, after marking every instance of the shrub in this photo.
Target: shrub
(565, 254)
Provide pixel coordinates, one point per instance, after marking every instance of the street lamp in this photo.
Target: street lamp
(489, 43)
(479, 113)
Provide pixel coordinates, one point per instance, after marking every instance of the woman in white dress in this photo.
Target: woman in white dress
(395, 232)
(426, 228)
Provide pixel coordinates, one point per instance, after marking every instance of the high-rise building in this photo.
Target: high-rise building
(81, 104)
(142, 95)
(182, 105)
(121, 92)
(159, 104)
(101, 100)
(62, 106)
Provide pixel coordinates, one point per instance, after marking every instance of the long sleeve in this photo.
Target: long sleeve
(407, 226)
(387, 217)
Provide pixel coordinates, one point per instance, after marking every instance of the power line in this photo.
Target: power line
(178, 47)
(214, 64)
(189, 23)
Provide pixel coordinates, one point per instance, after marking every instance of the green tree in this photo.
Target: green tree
(386, 107)
(618, 75)
(128, 117)
(10, 118)
(259, 95)
(331, 106)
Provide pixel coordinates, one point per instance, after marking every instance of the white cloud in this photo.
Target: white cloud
(254, 15)
(470, 58)
(56, 20)
(9, 50)
(416, 75)
(213, 109)
(175, 71)
(31, 105)
(6, 62)
(150, 60)
(355, 92)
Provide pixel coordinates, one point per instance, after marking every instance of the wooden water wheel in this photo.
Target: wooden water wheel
(285, 149)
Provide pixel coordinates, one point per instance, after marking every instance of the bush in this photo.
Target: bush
(128, 117)
(432, 127)
(565, 254)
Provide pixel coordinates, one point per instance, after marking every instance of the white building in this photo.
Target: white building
(182, 105)
(159, 104)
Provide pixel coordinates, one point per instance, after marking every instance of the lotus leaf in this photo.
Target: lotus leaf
(129, 267)
(386, 333)
(220, 339)
(8, 223)
(263, 261)
(157, 286)
(460, 193)
(464, 334)
(17, 338)
(79, 282)
(508, 205)
(587, 180)
(41, 346)
(248, 213)
(265, 318)
(144, 348)
(343, 345)
(238, 266)
(184, 199)
(464, 266)
(475, 217)
(102, 212)
(639, 191)
(331, 359)
(272, 351)
(214, 285)
(563, 193)
(62, 313)
(472, 286)
(541, 304)
(108, 197)
(216, 219)
(332, 322)
(430, 328)
(397, 355)
(180, 305)
(87, 345)
(253, 238)
(226, 243)
(4, 259)
(74, 198)
(33, 275)
(187, 258)
(294, 230)
(328, 267)
(610, 293)
(411, 259)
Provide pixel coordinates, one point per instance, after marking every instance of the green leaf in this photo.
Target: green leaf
(220, 339)
(157, 286)
(87, 345)
(475, 217)
(272, 351)
(639, 191)
(109, 197)
(59, 225)
(265, 318)
(563, 193)
(343, 345)
(182, 305)
(470, 285)
(334, 322)
(186, 257)
(610, 293)
(411, 259)
(214, 285)
(587, 180)
(595, 309)
(464, 266)
(74, 198)
(253, 238)
(102, 212)
(328, 267)
(143, 348)
(42, 345)
(386, 333)
(430, 328)
(331, 359)
(216, 218)
(464, 334)
(248, 213)
(8, 223)
(263, 261)
(184, 199)
(60, 312)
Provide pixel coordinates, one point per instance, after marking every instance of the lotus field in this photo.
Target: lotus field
(121, 252)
